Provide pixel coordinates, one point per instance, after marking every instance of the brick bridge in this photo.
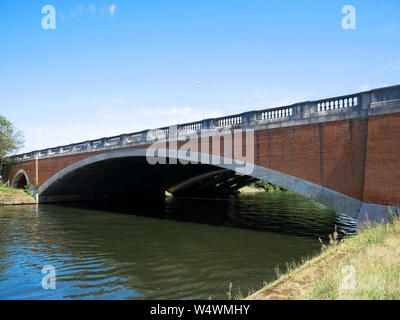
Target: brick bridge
(343, 152)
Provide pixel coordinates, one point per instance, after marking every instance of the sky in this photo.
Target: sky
(113, 67)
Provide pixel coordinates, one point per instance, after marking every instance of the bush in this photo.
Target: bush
(269, 187)
(27, 189)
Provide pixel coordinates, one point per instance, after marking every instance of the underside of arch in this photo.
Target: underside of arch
(127, 172)
(20, 180)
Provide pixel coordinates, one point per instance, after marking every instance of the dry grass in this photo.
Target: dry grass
(366, 266)
(249, 189)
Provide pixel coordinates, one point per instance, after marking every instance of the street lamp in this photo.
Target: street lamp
(202, 95)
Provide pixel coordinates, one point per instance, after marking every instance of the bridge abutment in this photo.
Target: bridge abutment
(372, 214)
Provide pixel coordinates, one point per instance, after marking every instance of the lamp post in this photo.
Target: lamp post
(202, 95)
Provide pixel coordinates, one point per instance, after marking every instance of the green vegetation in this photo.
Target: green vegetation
(269, 187)
(27, 190)
(261, 185)
(9, 189)
(366, 266)
(6, 188)
(15, 196)
(11, 140)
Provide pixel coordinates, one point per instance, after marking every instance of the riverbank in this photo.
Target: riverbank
(15, 196)
(365, 266)
(174, 239)
(261, 186)
(249, 189)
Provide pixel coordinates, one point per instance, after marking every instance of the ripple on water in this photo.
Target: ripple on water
(192, 250)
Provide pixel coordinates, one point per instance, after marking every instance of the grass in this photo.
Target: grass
(366, 266)
(5, 189)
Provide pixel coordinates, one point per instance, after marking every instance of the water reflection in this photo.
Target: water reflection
(192, 249)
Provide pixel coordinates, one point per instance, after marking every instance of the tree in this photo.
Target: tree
(11, 139)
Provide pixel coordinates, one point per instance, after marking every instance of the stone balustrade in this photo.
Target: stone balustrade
(298, 111)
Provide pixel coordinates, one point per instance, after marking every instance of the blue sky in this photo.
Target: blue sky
(113, 67)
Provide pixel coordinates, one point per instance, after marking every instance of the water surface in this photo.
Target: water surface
(191, 249)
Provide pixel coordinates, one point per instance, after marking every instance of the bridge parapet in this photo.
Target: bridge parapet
(347, 105)
(338, 103)
(283, 112)
(230, 121)
(190, 127)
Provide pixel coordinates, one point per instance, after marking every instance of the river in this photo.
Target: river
(190, 249)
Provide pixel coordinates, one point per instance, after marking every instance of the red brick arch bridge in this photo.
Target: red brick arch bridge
(343, 152)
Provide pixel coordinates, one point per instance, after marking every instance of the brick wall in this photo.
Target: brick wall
(356, 157)
(382, 168)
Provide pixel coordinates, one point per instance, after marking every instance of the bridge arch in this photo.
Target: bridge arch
(328, 197)
(20, 180)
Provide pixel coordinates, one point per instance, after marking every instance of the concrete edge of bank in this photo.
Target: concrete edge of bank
(15, 198)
